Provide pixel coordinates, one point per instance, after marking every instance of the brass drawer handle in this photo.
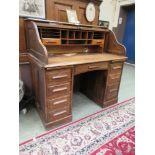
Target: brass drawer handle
(61, 101)
(117, 67)
(59, 113)
(59, 76)
(93, 67)
(59, 89)
(53, 42)
(99, 42)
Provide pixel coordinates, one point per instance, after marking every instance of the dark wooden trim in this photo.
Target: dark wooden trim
(113, 46)
(23, 58)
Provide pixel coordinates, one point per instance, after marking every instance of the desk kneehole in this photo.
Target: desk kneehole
(90, 67)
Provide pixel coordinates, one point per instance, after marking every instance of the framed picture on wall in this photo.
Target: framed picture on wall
(72, 16)
(32, 8)
(104, 23)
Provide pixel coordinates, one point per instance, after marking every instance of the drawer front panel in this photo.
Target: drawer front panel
(90, 67)
(112, 91)
(58, 76)
(111, 95)
(116, 68)
(59, 114)
(59, 90)
(98, 42)
(58, 103)
(112, 78)
(113, 87)
(50, 41)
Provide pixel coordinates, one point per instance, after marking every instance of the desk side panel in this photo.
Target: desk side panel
(34, 44)
(113, 46)
(39, 89)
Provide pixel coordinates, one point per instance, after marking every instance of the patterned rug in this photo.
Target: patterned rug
(107, 132)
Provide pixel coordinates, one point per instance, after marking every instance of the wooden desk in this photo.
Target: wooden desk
(59, 70)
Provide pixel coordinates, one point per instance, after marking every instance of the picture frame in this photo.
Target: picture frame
(32, 8)
(104, 23)
(72, 16)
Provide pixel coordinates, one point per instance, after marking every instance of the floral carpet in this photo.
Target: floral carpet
(107, 132)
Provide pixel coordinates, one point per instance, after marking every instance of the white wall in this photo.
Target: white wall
(109, 10)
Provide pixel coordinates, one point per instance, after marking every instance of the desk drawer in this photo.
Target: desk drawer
(111, 95)
(112, 78)
(116, 68)
(59, 114)
(59, 90)
(58, 103)
(90, 67)
(112, 91)
(58, 76)
(98, 42)
(51, 41)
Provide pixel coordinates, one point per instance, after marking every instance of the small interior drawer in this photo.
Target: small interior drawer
(51, 41)
(112, 78)
(59, 90)
(98, 42)
(90, 67)
(58, 103)
(116, 68)
(59, 114)
(58, 76)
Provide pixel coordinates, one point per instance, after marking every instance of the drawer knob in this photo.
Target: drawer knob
(59, 76)
(59, 89)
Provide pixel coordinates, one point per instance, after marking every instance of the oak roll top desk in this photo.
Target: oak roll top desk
(66, 58)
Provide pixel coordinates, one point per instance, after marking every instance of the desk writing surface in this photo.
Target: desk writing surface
(82, 59)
